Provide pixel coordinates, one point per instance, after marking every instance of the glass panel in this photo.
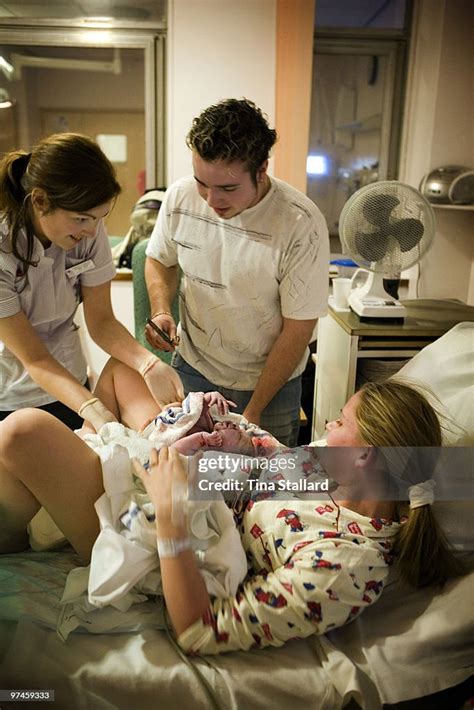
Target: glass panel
(348, 116)
(88, 97)
(149, 11)
(381, 14)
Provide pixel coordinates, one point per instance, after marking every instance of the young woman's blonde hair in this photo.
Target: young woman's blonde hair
(72, 171)
(395, 414)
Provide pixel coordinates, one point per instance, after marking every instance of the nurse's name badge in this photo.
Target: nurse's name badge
(79, 268)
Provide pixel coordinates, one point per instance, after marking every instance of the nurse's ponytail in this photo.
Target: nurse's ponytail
(13, 201)
(12, 169)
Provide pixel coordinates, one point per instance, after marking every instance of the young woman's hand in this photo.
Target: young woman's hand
(166, 484)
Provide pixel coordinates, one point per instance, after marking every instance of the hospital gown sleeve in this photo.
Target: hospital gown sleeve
(323, 586)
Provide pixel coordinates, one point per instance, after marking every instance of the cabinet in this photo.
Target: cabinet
(343, 339)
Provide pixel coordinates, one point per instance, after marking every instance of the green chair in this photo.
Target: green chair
(142, 303)
(115, 241)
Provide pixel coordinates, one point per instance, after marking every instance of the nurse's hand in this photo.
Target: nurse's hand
(163, 382)
(94, 412)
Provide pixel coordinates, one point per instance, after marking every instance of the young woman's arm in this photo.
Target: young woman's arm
(325, 582)
(184, 590)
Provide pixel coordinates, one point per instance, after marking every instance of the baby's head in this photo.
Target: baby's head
(234, 439)
(237, 440)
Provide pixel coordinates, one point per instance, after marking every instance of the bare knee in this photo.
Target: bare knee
(23, 428)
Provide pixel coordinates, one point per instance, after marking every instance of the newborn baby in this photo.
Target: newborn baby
(227, 436)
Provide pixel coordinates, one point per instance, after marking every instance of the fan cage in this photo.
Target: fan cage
(373, 210)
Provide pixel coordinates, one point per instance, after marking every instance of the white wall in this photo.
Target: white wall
(438, 131)
(217, 49)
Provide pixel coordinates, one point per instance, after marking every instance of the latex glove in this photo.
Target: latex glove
(94, 412)
(163, 382)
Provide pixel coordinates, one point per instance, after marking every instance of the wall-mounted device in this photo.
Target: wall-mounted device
(449, 184)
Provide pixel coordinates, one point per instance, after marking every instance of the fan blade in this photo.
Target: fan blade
(377, 208)
(407, 232)
(371, 247)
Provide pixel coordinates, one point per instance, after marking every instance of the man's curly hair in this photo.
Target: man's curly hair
(233, 129)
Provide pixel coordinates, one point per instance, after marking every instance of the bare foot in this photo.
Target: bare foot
(212, 439)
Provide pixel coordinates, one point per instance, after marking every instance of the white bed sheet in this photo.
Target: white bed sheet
(407, 645)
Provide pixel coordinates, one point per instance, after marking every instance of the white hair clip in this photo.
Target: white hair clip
(421, 494)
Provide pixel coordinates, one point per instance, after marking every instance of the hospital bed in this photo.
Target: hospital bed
(410, 644)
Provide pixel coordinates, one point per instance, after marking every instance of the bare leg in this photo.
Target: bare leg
(124, 392)
(43, 463)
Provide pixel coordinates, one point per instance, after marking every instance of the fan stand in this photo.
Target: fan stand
(372, 301)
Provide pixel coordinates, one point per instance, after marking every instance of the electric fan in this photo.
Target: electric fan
(385, 227)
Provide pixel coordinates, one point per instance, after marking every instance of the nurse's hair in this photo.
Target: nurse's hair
(394, 414)
(71, 170)
(233, 129)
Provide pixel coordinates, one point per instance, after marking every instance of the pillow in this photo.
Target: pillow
(446, 367)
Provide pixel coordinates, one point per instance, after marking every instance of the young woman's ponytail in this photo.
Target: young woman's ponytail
(395, 414)
(422, 552)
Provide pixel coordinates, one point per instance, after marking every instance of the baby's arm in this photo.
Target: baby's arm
(192, 443)
(220, 401)
(205, 421)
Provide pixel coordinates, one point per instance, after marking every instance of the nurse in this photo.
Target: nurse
(54, 254)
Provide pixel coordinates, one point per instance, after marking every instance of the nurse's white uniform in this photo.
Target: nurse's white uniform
(49, 300)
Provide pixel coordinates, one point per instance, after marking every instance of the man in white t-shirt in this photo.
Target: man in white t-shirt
(253, 252)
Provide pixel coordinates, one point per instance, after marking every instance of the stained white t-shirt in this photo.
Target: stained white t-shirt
(49, 300)
(241, 276)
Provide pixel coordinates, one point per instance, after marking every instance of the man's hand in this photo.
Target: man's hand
(165, 322)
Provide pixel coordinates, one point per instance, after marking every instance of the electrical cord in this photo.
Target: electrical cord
(206, 686)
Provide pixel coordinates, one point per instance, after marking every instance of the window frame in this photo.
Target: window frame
(152, 42)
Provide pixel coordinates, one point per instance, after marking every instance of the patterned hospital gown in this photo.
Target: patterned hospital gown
(313, 566)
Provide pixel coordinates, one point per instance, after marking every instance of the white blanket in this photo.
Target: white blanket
(124, 567)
